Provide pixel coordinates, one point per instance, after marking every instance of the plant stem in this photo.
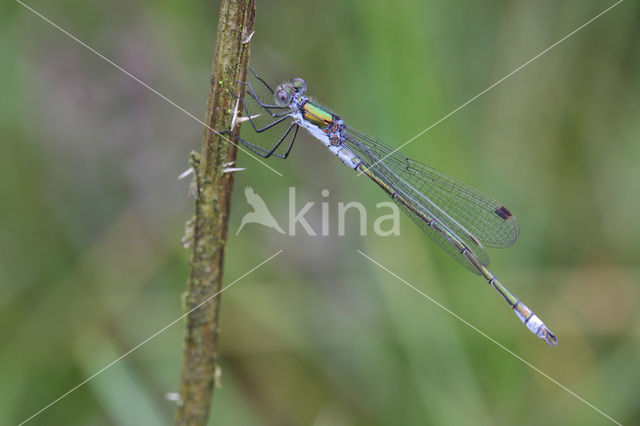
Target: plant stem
(207, 231)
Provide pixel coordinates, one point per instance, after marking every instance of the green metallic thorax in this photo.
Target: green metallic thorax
(317, 115)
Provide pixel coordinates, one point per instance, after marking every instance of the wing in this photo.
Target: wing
(488, 220)
(472, 216)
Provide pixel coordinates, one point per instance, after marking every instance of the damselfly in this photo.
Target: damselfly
(459, 218)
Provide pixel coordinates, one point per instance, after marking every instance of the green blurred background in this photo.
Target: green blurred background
(92, 214)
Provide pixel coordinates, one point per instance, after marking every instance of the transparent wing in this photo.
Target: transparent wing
(445, 244)
(488, 220)
(473, 217)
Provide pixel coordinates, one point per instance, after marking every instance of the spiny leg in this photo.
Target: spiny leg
(286, 154)
(282, 138)
(261, 80)
(252, 147)
(283, 115)
(268, 126)
(254, 95)
(267, 107)
(251, 118)
(261, 151)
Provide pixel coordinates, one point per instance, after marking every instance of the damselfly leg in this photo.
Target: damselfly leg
(281, 116)
(264, 152)
(261, 80)
(265, 106)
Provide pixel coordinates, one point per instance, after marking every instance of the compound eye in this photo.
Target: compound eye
(300, 85)
(282, 97)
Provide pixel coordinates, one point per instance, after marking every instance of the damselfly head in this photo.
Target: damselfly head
(299, 85)
(283, 94)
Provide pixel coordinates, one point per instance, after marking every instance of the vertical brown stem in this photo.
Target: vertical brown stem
(208, 229)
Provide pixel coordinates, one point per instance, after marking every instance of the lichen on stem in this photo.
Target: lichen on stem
(207, 230)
